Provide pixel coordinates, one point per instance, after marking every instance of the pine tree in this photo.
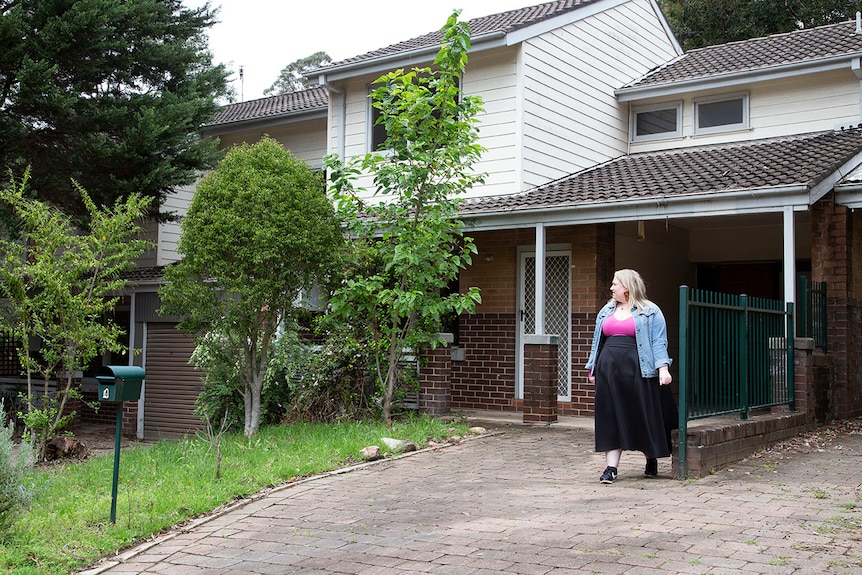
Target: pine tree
(110, 93)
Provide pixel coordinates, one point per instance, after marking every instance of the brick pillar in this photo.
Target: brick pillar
(540, 378)
(803, 377)
(435, 379)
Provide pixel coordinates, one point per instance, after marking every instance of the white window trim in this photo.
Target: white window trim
(369, 120)
(635, 110)
(698, 131)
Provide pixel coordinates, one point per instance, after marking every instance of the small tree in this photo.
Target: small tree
(60, 282)
(414, 231)
(292, 77)
(260, 231)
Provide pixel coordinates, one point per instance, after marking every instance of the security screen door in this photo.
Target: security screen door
(558, 314)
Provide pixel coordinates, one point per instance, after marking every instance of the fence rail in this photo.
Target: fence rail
(811, 317)
(736, 354)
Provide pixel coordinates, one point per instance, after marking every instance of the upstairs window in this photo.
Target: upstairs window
(377, 131)
(656, 121)
(720, 113)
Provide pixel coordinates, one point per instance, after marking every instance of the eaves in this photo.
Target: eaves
(261, 123)
(406, 59)
(737, 202)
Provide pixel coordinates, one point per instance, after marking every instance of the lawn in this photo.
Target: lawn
(167, 483)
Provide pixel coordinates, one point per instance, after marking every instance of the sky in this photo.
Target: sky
(264, 36)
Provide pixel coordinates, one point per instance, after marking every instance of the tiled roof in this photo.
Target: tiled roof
(135, 275)
(798, 47)
(312, 99)
(787, 161)
(503, 22)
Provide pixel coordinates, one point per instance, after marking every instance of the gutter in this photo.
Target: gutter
(390, 61)
(735, 78)
(695, 205)
(237, 125)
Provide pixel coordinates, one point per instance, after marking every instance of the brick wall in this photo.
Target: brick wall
(486, 377)
(835, 233)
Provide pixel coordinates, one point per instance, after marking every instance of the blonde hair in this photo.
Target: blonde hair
(634, 284)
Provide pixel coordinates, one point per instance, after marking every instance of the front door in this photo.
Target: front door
(558, 314)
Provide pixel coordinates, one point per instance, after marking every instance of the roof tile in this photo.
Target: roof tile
(798, 47)
(316, 98)
(802, 160)
(503, 22)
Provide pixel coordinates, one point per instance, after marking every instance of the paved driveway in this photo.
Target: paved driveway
(527, 500)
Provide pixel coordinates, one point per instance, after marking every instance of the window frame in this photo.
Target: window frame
(675, 105)
(697, 102)
(371, 115)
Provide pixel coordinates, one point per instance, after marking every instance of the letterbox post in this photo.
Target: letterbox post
(118, 383)
(116, 462)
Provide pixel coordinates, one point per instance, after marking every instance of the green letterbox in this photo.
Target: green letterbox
(120, 382)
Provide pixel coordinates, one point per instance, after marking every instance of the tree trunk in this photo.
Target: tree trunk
(252, 406)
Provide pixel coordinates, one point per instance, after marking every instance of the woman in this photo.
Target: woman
(629, 364)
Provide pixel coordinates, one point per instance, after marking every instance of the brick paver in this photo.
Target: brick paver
(526, 500)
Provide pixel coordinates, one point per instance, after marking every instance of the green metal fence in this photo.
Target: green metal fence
(736, 354)
(811, 314)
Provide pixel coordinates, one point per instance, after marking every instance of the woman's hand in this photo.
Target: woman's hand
(664, 377)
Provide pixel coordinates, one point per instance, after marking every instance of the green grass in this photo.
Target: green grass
(68, 525)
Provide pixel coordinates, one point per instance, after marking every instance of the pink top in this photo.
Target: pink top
(612, 326)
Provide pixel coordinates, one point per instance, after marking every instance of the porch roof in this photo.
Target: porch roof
(745, 177)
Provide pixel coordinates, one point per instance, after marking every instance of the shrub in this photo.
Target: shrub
(15, 467)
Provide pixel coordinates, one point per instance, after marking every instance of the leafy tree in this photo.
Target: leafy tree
(414, 230)
(59, 283)
(292, 77)
(260, 230)
(109, 93)
(699, 23)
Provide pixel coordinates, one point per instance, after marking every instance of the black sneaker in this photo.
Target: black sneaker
(651, 469)
(609, 475)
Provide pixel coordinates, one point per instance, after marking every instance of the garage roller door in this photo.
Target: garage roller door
(172, 385)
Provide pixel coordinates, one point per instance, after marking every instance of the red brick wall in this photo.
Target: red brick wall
(486, 379)
(835, 233)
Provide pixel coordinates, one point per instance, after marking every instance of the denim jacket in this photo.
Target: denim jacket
(650, 336)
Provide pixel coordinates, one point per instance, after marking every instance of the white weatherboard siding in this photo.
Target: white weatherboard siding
(493, 76)
(797, 105)
(170, 232)
(571, 117)
(306, 139)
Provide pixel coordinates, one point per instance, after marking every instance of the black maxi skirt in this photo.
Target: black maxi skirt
(628, 407)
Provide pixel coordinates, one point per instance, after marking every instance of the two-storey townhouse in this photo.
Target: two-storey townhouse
(726, 168)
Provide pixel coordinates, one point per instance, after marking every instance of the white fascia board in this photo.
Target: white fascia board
(829, 181)
(544, 26)
(762, 200)
(730, 80)
(409, 59)
(849, 195)
(268, 121)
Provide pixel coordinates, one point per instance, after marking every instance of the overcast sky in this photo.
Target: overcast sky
(264, 36)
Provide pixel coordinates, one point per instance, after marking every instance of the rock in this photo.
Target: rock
(370, 453)
(478, 430)
(398, 445)
(65, 448)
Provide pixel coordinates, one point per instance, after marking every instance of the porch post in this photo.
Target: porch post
(789, 257)
(540, 279)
